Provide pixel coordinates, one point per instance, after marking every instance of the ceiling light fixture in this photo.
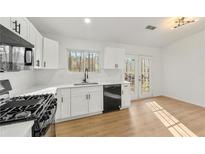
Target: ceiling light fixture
(87, 20)
(181, 21)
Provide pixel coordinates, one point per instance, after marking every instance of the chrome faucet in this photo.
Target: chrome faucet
(85, 75)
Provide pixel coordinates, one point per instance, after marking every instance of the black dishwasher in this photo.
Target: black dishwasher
(112, 97)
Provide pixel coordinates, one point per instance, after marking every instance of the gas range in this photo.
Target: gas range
(24, 108)
(39, 108)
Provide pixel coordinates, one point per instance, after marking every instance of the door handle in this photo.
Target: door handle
(38, 63)
(61, 99)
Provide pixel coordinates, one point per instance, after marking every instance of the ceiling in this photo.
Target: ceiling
(119, 30)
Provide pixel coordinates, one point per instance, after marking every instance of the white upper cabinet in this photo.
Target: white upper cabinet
(46, 51)
(38, 51)
(113, 58)
(37, 40)
(50, 53)
(5, 21)
(20, 26)
(32, 34)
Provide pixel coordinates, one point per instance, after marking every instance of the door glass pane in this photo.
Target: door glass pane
(130, 72)
(145, 75)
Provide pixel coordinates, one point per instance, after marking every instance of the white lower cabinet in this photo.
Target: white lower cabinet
(96, 101)
(63, 107)
(86, 100)
(126, 97)
(79, 102)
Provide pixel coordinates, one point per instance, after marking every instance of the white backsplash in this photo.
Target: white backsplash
(19, 80)
(52, 77)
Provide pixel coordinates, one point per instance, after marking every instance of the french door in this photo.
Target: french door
(145, 77)
(130, 74)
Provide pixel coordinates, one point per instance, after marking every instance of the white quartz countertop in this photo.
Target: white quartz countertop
(43, 89)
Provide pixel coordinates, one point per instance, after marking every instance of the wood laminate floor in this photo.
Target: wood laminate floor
(154, 117)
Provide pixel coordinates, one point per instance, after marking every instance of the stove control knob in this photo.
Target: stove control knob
(49, 112)
(45, 117)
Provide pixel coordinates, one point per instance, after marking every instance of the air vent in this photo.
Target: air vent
(150, 27)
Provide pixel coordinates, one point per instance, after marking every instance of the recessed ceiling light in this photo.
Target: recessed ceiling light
(87, 20)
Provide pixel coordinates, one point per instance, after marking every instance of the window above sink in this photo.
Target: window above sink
(78, 60)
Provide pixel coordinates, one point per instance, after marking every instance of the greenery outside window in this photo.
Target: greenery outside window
(78, 60)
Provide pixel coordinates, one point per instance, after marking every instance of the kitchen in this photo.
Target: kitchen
(55, 77)
(102, 77)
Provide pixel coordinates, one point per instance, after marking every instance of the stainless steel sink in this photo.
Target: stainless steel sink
(85, 83)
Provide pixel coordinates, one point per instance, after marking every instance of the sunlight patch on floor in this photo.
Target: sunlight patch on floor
(174, 125)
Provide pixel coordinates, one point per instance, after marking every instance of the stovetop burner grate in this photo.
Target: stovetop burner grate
(26, 107)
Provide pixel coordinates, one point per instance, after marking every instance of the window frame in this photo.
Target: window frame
(83, 50)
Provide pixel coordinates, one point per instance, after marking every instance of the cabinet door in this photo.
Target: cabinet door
(119, 58)
(109, 62)
(50, 53)
(79, 104)
(32, 34)
(113, 58)
(79, 101)
(5, 21)
(22, 28)
(38, 50)
(126, 97)
(65, 103)
(59, 102)
(96, 102)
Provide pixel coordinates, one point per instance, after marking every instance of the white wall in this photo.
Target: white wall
(183, 69)
(62, 76)
(19, 80)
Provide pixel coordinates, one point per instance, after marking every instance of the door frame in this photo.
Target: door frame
(150, 94)
(134, 56)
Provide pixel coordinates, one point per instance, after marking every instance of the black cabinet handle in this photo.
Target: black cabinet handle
(15, 25)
